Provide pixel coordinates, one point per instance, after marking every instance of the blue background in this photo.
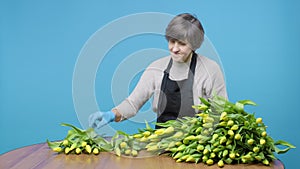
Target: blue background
(258, 42)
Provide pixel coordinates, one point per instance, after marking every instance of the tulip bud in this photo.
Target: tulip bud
(146, 133)
(83, 144)
(191, 137)
(250, 141)
(123, 144)
(223, 123)
(223, 139)
(223, 115)
(237, 136)
(235, 127)
(232, 155)
(127, 152)
(202, 107)
(204, 158)
(209, 162)
(137, 136)
(67, 150)
(221, 163)
(258, 158)
(57, 149)
(143, 139)
(159, 131)
(65, 142)
(95, 151)
(205, 151)
(134, 153)
(169, 130)
(212, 155)
(208, 120)
(178, 134)
(230, 132)
(266, 162)
(88, 149)
(255, 149)
(153, 136)
(259, 120)
(178, 155)
(262, 141)
(73, 146)
(215, 136)
(171, 144)
(181, 147)
(207, 125)
(190, 159)
(200, 147)
(77, 150)
(152, 148)
(225, 153)
(230, 123)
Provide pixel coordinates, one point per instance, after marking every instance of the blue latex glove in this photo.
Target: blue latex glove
(99, 119)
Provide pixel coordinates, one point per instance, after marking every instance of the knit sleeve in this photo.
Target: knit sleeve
(139, 96)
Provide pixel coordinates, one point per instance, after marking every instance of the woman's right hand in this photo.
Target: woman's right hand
(99, 119)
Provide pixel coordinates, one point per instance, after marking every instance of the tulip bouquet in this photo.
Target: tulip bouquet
(220, 133)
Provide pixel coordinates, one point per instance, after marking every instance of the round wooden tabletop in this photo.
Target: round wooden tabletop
(41, 156)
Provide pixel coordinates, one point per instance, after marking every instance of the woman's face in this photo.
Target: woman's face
(180, 50)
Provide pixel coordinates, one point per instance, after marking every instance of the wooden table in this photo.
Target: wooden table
(41, 156)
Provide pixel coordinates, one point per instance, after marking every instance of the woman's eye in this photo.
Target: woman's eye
(182, 43)
(172, 41)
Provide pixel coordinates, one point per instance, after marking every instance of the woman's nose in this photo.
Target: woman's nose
(175, 47)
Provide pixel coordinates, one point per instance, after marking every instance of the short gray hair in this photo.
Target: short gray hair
(186, 27)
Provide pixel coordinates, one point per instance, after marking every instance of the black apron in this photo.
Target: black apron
(176, 97)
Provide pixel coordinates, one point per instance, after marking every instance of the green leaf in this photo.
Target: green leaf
(208, 147)
(239, 106)
(148, 126)
(53, 144)
(113, 139)
(78, 130)
(137, 147)
(122, 133)
(234, 116)
(103, 144)
(91, 133)
(118, 151)
(221, 101)
(71, 134)
(100, 141)
(247, 102)
(167, 123)
(107, 147)
(281, 151)
(283, 143)
(204, 101)
(271, 156)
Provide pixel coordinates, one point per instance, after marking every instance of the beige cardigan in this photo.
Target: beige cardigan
(208, 79)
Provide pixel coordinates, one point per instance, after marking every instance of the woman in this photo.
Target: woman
(176, 82)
